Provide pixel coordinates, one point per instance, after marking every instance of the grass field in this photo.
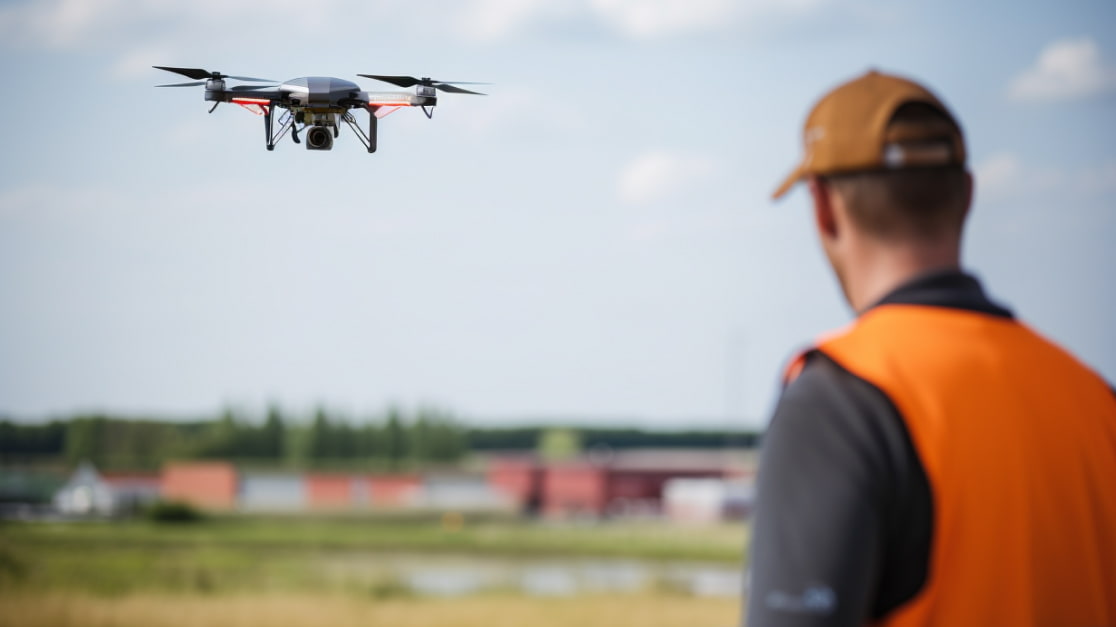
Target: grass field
(153, 610)
(336, 571)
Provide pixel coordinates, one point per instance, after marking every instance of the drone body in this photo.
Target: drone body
(316, 104)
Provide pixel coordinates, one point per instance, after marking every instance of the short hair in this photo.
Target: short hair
(915, 202)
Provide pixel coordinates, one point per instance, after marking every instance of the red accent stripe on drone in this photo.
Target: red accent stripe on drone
(383, 112)
(254, 105)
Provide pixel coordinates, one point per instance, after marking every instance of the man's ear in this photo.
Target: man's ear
(824, 218)
(970, 189)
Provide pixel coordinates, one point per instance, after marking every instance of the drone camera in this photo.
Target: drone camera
(319, 138)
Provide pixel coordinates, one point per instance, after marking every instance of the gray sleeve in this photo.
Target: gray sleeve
(842, 528)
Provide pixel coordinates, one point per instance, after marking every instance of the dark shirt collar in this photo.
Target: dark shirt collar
(945, 288)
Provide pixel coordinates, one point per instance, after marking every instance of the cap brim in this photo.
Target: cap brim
(794, 177)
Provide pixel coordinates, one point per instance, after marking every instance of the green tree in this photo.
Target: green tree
(558, 444)
(395, 440)
(273, 433)
(219, 441)
(436, 437)
(83, 439)
(320, 443)
(296, 446)
(32, 439)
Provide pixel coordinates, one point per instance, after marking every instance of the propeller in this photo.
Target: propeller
(411, 81)
(199, 74)
(235, 88)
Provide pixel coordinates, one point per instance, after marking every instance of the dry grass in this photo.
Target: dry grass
(260, 610)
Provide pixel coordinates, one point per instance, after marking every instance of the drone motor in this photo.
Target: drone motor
(215, 90)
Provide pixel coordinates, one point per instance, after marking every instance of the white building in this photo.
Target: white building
(707, 500)
(89, 493)
(273, 492)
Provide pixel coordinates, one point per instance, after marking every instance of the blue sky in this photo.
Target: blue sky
(593, 240)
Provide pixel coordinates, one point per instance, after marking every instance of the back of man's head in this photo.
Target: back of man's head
(893, 152)
(921, 202)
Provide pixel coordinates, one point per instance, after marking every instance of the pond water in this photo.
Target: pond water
(442, 576)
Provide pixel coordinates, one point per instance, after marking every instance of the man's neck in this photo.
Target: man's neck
(882, 269)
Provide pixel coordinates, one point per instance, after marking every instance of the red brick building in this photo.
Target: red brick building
(628, 483)
(393, 490)
(212, 485)
(519, 479)
(574, 489)
(336, 491)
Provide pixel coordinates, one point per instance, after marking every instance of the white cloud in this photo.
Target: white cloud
(1069, 69)
(68, 23)
(644, 19)
(1006, 176)
(136, 62)
(525, 113)
(660, 174)
(649, 18)
(1099, 180)
(490, 20)
(51, 203)
(72, 23)
(997, 175)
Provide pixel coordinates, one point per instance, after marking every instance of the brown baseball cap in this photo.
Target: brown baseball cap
(848, 131)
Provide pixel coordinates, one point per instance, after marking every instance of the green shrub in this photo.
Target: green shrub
(173, 512)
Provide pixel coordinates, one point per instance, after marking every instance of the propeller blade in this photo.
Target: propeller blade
(193, 84)
(194, 73)
(411, 81)
(253, 80)
(200, 74)
(455, 90)
(401, 81)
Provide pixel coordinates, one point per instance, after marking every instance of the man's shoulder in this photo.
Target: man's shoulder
(824, 385)
(826, 405)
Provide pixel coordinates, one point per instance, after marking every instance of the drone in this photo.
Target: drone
(317, 105)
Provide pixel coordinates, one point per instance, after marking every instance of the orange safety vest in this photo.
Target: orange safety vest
(1018, 440)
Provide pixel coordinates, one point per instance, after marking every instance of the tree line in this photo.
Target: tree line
(394, 441)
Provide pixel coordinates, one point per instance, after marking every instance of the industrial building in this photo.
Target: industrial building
(687, 485)
(630, 483)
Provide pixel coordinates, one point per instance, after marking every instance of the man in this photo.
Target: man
(936, 462)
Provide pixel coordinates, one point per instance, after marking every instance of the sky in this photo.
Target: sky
(593, 241)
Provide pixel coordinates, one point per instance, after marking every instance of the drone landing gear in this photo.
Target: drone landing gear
(369, 139)
(286, 123)
(429, 111)
(267, 129)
